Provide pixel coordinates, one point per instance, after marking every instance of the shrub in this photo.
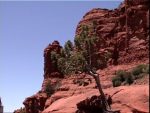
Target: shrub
(116, 81)
(51, 88)
(146, 70)
(129, 78)
(139, 69)
(121, 74)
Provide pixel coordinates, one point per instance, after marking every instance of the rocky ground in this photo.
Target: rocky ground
(128, 99)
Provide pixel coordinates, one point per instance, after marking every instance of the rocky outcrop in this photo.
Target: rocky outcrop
(21, 110)
(49, 69)
(119, 27)
(92, 105)
(128, 99)
(35, 103)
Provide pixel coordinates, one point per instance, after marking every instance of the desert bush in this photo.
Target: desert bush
(146, 70)
(121, 74)
(116, 81)
(129, 78)
(51, 88)
(142, 68)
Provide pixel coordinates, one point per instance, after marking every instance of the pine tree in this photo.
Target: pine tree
(68, 48)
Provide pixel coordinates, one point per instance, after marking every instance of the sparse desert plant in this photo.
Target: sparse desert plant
(146, 70)
(121, 74)
(51, 88)
(139, 69)
(116, 81)
(129, 78)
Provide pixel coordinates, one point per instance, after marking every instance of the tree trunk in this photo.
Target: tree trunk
(107, 108)
(97, 80)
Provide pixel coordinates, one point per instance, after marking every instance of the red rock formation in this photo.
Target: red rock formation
(21, 110)
(111, 29)
(49, 69)
(92, 105)
(35, 103)
(124, 98)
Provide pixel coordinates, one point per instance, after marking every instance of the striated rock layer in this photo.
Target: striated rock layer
(128, 99)
(124, 28)
(49, 69)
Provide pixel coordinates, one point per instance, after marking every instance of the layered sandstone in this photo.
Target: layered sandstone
(125, 28)
(49, 69)
(36, 103)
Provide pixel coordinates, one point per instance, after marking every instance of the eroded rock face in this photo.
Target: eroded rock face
(35, 103)
(127, 99)
(92, 105)
(112, 27)
(49, 69)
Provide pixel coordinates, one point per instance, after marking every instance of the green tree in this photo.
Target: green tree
(54, 58)
(85, 42)
(68, 48)
(61, 64)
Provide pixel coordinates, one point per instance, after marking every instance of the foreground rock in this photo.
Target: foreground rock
(35, 103)
(93, 104)
(128, 99)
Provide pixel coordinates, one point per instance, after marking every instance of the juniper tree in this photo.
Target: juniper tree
(84, 44)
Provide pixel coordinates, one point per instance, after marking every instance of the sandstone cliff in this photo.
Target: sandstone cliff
(124, 28)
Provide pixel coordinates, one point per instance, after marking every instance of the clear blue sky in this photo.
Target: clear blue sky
(26, 28)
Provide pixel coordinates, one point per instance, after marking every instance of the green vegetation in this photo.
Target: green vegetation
(68, 48)
(123, 76)
(51, 88)
(22, 110)
(116, 82)
(138, 70)
(129, 78)
(74, 56)
(54, 58)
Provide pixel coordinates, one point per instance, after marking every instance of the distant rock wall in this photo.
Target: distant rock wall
(49, 69)
(131, 20)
